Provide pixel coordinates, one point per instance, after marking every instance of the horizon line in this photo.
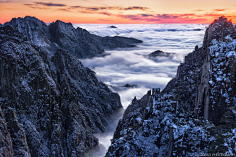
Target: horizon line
(207, 23)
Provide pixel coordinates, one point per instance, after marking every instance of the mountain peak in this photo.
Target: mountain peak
(59, 22)
(25, 19)
(219, 29)
(194, 112)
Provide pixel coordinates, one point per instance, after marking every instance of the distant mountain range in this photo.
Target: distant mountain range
(79, 42)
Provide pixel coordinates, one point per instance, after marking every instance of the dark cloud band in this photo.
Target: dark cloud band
(46, 4)
(108, 8)
(50, 4)
(7, 1)
(83, 8)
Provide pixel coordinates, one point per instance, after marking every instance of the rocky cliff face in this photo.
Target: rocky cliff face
(218, 71)
(78, 42)
(50, 105)
(59, 35)
(196, 111)
(157, 128)
(6, 148)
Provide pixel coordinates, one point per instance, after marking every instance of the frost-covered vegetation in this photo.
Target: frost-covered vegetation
(163, 130)
(222, 82)
(195, 114)
(223, 58)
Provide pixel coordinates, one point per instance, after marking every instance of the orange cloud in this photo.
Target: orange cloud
(198, 10)
(83, 8)
(104, 20)
(50, 4)
(89, 12)
(165, 18)
(44, 5)
(174, 18)
(108, 8)
(219, 9)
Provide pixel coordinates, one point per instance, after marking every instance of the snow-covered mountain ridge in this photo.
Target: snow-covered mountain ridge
(79, 42)
(195, 114)
(49, 105)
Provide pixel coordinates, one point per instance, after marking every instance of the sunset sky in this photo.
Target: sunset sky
(119, 11)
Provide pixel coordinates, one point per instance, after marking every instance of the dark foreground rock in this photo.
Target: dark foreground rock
(50, 105)
(6, 148)
(78, 42)
(195, 113)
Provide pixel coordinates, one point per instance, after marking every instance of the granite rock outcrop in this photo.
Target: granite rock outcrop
(6, 148)
(195, 113)
(78, 42)
(51, 105)
(60, 35)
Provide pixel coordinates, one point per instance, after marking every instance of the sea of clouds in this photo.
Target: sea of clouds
(133, 66)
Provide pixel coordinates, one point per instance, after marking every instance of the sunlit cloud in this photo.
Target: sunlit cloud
(46, 6)
(83, 8)
(63, 9)
(136, 8)
(210, 15)
(165, 18)
(36, 7)
(198, 10)
(219, 9)
(91, 11)
(105, 20)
